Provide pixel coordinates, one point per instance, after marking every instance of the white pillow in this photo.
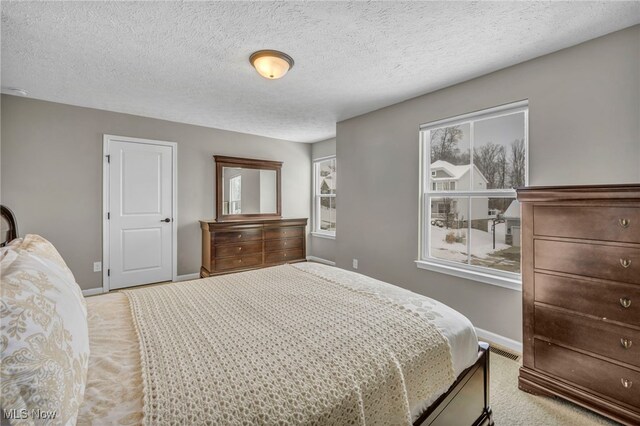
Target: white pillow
(45, 341)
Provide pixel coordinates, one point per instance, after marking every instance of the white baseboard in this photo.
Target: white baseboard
(92, 291)
(187, 277)
(514, 345)
(99, 290)
(321, 260)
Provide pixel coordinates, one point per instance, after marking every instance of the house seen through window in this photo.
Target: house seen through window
(325, 180)
(469, 215)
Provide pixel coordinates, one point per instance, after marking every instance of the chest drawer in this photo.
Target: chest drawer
(592, 223)
(591, 260)
(602, 338)
(617, 302)
(594, 374)
(283, 256)
(238, 262)
(238, 249)
(227, 237)
(283, 244)
(283, 232)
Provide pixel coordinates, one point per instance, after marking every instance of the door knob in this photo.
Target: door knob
(166, 220)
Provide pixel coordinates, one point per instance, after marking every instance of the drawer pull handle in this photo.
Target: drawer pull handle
(625, 263)
(624, 222)
(626, 343)
(625, 302)
(239, 248)
(239, 235)
(626, 383)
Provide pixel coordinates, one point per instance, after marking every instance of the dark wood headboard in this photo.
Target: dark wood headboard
(10, 218)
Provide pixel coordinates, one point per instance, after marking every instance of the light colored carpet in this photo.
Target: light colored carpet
(512, 406)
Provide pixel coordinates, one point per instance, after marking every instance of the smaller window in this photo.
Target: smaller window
(324, 196)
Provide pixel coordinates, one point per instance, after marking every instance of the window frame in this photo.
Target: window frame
(483, 274)
(317, 196)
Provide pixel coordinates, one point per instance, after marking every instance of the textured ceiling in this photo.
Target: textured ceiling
(188, 62)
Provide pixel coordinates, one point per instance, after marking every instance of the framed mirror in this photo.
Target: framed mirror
(247, 188)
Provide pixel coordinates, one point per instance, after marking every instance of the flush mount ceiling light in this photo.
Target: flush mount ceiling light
(271, 64)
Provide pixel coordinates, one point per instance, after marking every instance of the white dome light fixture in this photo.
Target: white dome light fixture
(271, 64)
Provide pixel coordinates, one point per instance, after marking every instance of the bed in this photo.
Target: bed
(291, 344)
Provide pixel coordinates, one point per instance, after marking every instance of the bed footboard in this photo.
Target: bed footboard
(467, 400)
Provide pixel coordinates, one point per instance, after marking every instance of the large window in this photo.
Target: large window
(324, 200)
(470, 219)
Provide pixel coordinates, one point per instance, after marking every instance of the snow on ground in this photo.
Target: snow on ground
(481, 243)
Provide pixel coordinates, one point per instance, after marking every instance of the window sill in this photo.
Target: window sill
(327, 236)
(487, 278)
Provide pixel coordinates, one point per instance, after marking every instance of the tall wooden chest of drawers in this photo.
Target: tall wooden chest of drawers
(581, 296)
(233, 246)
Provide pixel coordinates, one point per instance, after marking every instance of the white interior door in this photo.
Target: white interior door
(140, 212)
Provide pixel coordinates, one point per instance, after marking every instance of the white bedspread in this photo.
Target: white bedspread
(114, 388)
(451, 323)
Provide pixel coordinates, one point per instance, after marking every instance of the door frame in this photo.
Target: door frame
(106, 140)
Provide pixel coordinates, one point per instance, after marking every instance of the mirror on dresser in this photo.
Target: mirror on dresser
(249, 231)
(247, 188)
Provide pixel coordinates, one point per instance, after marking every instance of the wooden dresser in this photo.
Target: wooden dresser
(232, 246)
(581, 296)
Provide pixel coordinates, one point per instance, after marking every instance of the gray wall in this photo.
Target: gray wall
(268, 192)
(323, 247)
(584, 116)
(52, 175)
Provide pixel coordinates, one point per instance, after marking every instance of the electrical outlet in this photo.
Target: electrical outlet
(355, 263)
(97, 266)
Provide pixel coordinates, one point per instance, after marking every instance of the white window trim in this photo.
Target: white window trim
(495, 277)
(471, 272)
(315, 230)
(327, 235)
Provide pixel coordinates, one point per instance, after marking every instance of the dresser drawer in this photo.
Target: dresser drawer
(591, 373)
(283, 244)
(593, 223)
(238, 249)
(601, 299)
(283, 256)
(237, 236)
(591, 260)
(283, 232)
(241, 262)
(589, 334)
